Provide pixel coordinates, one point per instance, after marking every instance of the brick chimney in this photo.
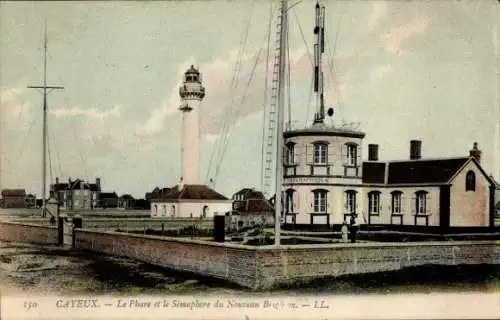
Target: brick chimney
(415, 149)
(98, 184)
(373, 152)
(475, 153)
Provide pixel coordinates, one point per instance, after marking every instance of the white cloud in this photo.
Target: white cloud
(380, 71)
(223, 104)
(379, 11)
(393, 37)
(92, 113)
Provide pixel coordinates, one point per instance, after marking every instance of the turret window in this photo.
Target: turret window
(320, 153)
(352, 155)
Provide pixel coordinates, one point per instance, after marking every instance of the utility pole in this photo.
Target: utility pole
(46, 90)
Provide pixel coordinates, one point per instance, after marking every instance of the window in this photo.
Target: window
(156, 208)
(173, 211)
(352, 155)
(320, 152)
(470, 181)
(205, 211)
(374, 202)
(320, 201)
(350, 201)
(290, 153)
(289, 201)
(165, 209)
(421, 202)
(396, 202)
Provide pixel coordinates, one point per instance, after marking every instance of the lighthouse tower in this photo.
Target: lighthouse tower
(192, 93)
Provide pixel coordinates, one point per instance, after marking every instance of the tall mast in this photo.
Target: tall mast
(319, 49)
(280, 122)
(44, 130)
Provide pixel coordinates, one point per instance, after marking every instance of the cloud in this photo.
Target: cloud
(380, 71)
(379, 11)
(223, 104)
(395, 36)
(92, 113)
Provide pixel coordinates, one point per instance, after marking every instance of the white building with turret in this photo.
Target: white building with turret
(190, 198)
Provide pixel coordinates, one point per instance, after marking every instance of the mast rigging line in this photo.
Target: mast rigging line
(242, 101)
(23, 144)
(331, 64)
(233, 86)
(266, 84)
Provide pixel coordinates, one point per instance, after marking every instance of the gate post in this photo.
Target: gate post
(77, 224)
(60, 231)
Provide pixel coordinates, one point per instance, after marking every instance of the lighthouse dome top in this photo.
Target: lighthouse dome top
(192, 70)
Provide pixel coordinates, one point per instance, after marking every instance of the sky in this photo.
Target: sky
(401, 70)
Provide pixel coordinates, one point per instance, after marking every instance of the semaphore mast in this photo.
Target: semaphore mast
(46, 90)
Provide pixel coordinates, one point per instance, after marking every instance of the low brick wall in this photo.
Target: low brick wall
(235, 263)
(266, 267)
(29, 233)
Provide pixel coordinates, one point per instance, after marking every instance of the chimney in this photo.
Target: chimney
(373, 152)
(475, 153)
(69, 183)
(98, 183)
(57, 180)
(415, 149)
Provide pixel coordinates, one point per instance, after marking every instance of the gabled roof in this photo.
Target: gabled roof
(74, 185)
(424, 171)
(192, 192)
(14, 192)
(104, 195)
(249, 193)
(431, 171)
(253, 205)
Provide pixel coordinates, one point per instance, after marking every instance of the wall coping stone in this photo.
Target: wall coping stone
(28, 224)
(394, 245)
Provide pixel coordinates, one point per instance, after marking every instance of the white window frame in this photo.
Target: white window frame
(374, 203)
(350, 201)
(290, 154)
(421, 205)
(320, 201)
(289, 201)
(320, 156)
(396, 202)
(352, 155)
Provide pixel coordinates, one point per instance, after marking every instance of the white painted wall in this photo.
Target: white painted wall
(303, 198)
(187, 209)
(190, 142)
(469, 208)
(304, 153)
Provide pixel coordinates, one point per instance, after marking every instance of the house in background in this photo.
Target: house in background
(250, 208)
(13, 198)
(190, 201)
(76, 194)
(30, 201)
(157, 192)
(108, 200)
(126, 202)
